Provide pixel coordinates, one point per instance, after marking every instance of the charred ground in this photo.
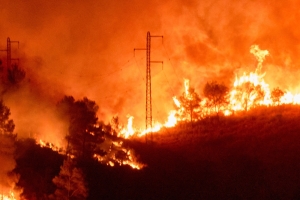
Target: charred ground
(253, 155)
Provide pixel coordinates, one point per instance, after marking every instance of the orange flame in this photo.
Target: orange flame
(11, 196)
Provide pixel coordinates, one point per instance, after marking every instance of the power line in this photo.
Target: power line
(172, 66)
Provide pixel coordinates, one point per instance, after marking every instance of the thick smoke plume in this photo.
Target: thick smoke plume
(85, 48)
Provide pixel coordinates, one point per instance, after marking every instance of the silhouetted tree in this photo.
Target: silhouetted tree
(216, 95)
(15, 74)
(70, 183)
(84, 131)
(7, 149)
(189, 105)
(36, 166)
(7, 125)
(276, 95)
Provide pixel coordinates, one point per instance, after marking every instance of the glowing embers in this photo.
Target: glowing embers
(116, 154)
(50, 145)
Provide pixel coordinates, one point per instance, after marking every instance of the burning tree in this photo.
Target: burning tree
(188, 104)
(248, 94)
(216, 95)
(70, 183)
(250, 90)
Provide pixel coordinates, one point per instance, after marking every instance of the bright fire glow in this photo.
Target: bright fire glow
(248, 91)
(126, 133)
(172, 119)
(11, 196)
(186, 86)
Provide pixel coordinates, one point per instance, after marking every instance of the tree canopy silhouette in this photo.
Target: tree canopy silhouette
(276, 94)
(84, 131)
(15, 74)
(216, 95)
(7, 125)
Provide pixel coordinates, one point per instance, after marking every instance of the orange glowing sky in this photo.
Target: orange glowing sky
(85, 48)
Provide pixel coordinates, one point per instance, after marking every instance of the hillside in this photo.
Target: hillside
(253, 155)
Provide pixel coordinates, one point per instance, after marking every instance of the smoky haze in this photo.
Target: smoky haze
(85, 48)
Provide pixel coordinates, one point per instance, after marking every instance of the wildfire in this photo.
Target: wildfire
(251, 90)
(248, 91)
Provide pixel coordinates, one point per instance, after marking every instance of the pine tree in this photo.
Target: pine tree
(70, 183)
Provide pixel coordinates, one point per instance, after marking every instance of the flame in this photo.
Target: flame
(109, 159)
(172, 119)
(259, 55)
(50, 145)
(258, 90)
(248, 91)
(176, 101)
(129, 131)
(186, 86)
(11, 196)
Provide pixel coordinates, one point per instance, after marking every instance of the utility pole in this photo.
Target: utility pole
(148, 86)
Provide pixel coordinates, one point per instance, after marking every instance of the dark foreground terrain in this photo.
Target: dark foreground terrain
(253, 155)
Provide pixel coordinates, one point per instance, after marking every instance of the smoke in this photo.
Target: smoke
(86, 49)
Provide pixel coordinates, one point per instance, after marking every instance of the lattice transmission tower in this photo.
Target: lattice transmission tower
(8, 51)
(148, 86)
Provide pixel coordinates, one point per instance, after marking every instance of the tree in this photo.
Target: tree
(189, 105)
(70, 183)
(249, 94)
(84, 132)
(7, 150)
(276, 95)
(37, 166)
(7, 125)
(216, 95)
(15, 74)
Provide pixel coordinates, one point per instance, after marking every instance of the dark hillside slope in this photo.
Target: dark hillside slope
(253, 155)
